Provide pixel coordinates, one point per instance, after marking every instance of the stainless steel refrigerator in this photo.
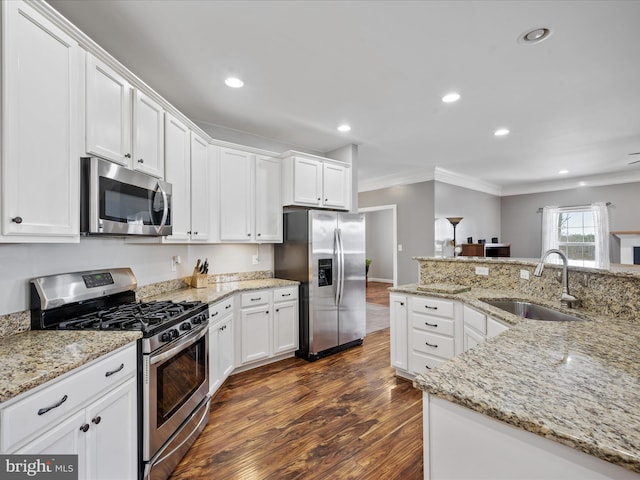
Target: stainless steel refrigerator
(324, 251)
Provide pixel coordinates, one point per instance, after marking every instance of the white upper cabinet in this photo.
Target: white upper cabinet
(108, 113)
(268, 200)
(236, 195)
(177, 144)
(148, 135)
(200, 190)
(250, 207)
(119, 128)
(40, 134)
(336, 180)
(316, 182)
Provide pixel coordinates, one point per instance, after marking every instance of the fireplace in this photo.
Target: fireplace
(629, 247)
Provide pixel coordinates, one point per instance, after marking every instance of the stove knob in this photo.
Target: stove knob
(185, 326)
(166, 336)
(174, 333)
(197, 320)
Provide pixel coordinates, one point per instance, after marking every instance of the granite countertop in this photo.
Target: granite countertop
(219, 291)
(32, 358)
(577, 383)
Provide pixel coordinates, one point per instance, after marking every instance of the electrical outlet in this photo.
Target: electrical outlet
(482, 271)
(256, 260)
(175, 260)
(399, 247)
(524, 274)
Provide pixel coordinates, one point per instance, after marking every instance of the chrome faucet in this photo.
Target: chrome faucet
(566, 300)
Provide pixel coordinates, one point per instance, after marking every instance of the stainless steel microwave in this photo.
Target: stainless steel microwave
(117, 201)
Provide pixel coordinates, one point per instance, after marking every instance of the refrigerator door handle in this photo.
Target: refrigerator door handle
(340, 253)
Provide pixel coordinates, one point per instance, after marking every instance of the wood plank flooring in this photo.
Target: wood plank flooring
(377, 293)
(342, 417)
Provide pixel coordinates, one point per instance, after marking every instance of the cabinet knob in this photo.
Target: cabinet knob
(195, 233)
(326, 199)
(248, 234)
(127, 155)
(97, 420)
(319, 199)
(85, 427)
(267, 311)
(189, 232)
(402, 304)
(141, 160)
(17, 220)
(259, 234)
(277, 310)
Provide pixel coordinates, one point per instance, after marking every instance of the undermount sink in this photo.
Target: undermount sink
(530, 310)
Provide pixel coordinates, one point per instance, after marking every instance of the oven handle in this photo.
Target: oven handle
(184, 342)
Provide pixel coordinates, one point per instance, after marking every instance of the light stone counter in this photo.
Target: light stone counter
(577, 383)
(32, 358)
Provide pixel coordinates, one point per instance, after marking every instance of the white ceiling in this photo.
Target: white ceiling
(571, 102)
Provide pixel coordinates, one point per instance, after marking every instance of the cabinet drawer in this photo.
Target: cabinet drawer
(443, 326)
(422, 363)
(218, 309)
(256, 298)
(432, 306)
(21, 420)
(285, 293)
(475, 320)
(432, 344)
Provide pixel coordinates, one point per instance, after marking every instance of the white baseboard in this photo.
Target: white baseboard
(381, 280)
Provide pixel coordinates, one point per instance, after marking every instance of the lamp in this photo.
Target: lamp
(454, 221)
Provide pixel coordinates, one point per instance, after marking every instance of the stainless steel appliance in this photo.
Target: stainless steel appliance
(118, 201)
(324, 251)
(173, 376)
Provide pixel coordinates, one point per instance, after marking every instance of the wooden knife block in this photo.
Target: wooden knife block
(199, 280)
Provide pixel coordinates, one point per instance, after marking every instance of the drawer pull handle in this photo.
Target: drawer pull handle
(85, 427)
(286, 295)
(431, 345)
(214, 314)
(42, 411)
(430, 308)
(97, 420)
(256, 299)
(108, 374)
(427, 367)
(228, 306)
(431, 324)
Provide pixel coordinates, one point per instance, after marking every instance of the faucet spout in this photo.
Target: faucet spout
(566, 300)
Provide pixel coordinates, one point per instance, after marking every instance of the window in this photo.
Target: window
(581, 232)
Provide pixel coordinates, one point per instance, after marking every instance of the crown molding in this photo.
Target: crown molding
(446, 176)
(614, 178)
(404, 178)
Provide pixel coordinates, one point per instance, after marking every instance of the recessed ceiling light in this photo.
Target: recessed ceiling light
(451, 97)
(563, 172)
(344, 128)
(501, 132)
(234, 82)
(533, 36)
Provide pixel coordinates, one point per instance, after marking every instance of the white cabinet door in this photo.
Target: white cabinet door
(215, 378)
(307, 182)
(108, 113)
(225, 346)
(399, 330)
(40, 156)
(495, 327)
(335, 180)
(200, 188)
(472, 338)
(112, 435)
(268, 199)
(178, 173)
(256, 333)
(236, 197)
(285, 327)
(148, 135)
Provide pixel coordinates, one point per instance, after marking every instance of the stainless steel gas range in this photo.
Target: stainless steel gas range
(173, 372)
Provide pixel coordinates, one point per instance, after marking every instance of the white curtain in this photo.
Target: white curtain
(550, 217)
(601, 217)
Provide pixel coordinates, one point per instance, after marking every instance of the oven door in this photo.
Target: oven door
(175, 381)
(118, 201)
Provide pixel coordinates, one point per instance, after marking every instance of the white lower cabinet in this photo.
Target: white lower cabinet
(92, 412)
(428, 331)
(220, 343)
(268, 325)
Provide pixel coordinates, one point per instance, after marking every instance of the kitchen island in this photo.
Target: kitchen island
(497, 405)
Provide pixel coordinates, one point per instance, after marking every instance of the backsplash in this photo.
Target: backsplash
(614, 293)
(18, 322)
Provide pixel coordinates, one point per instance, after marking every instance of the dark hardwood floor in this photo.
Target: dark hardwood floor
(377, 293)
(342, 417)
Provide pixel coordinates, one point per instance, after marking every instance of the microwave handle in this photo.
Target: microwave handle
(165, 213)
